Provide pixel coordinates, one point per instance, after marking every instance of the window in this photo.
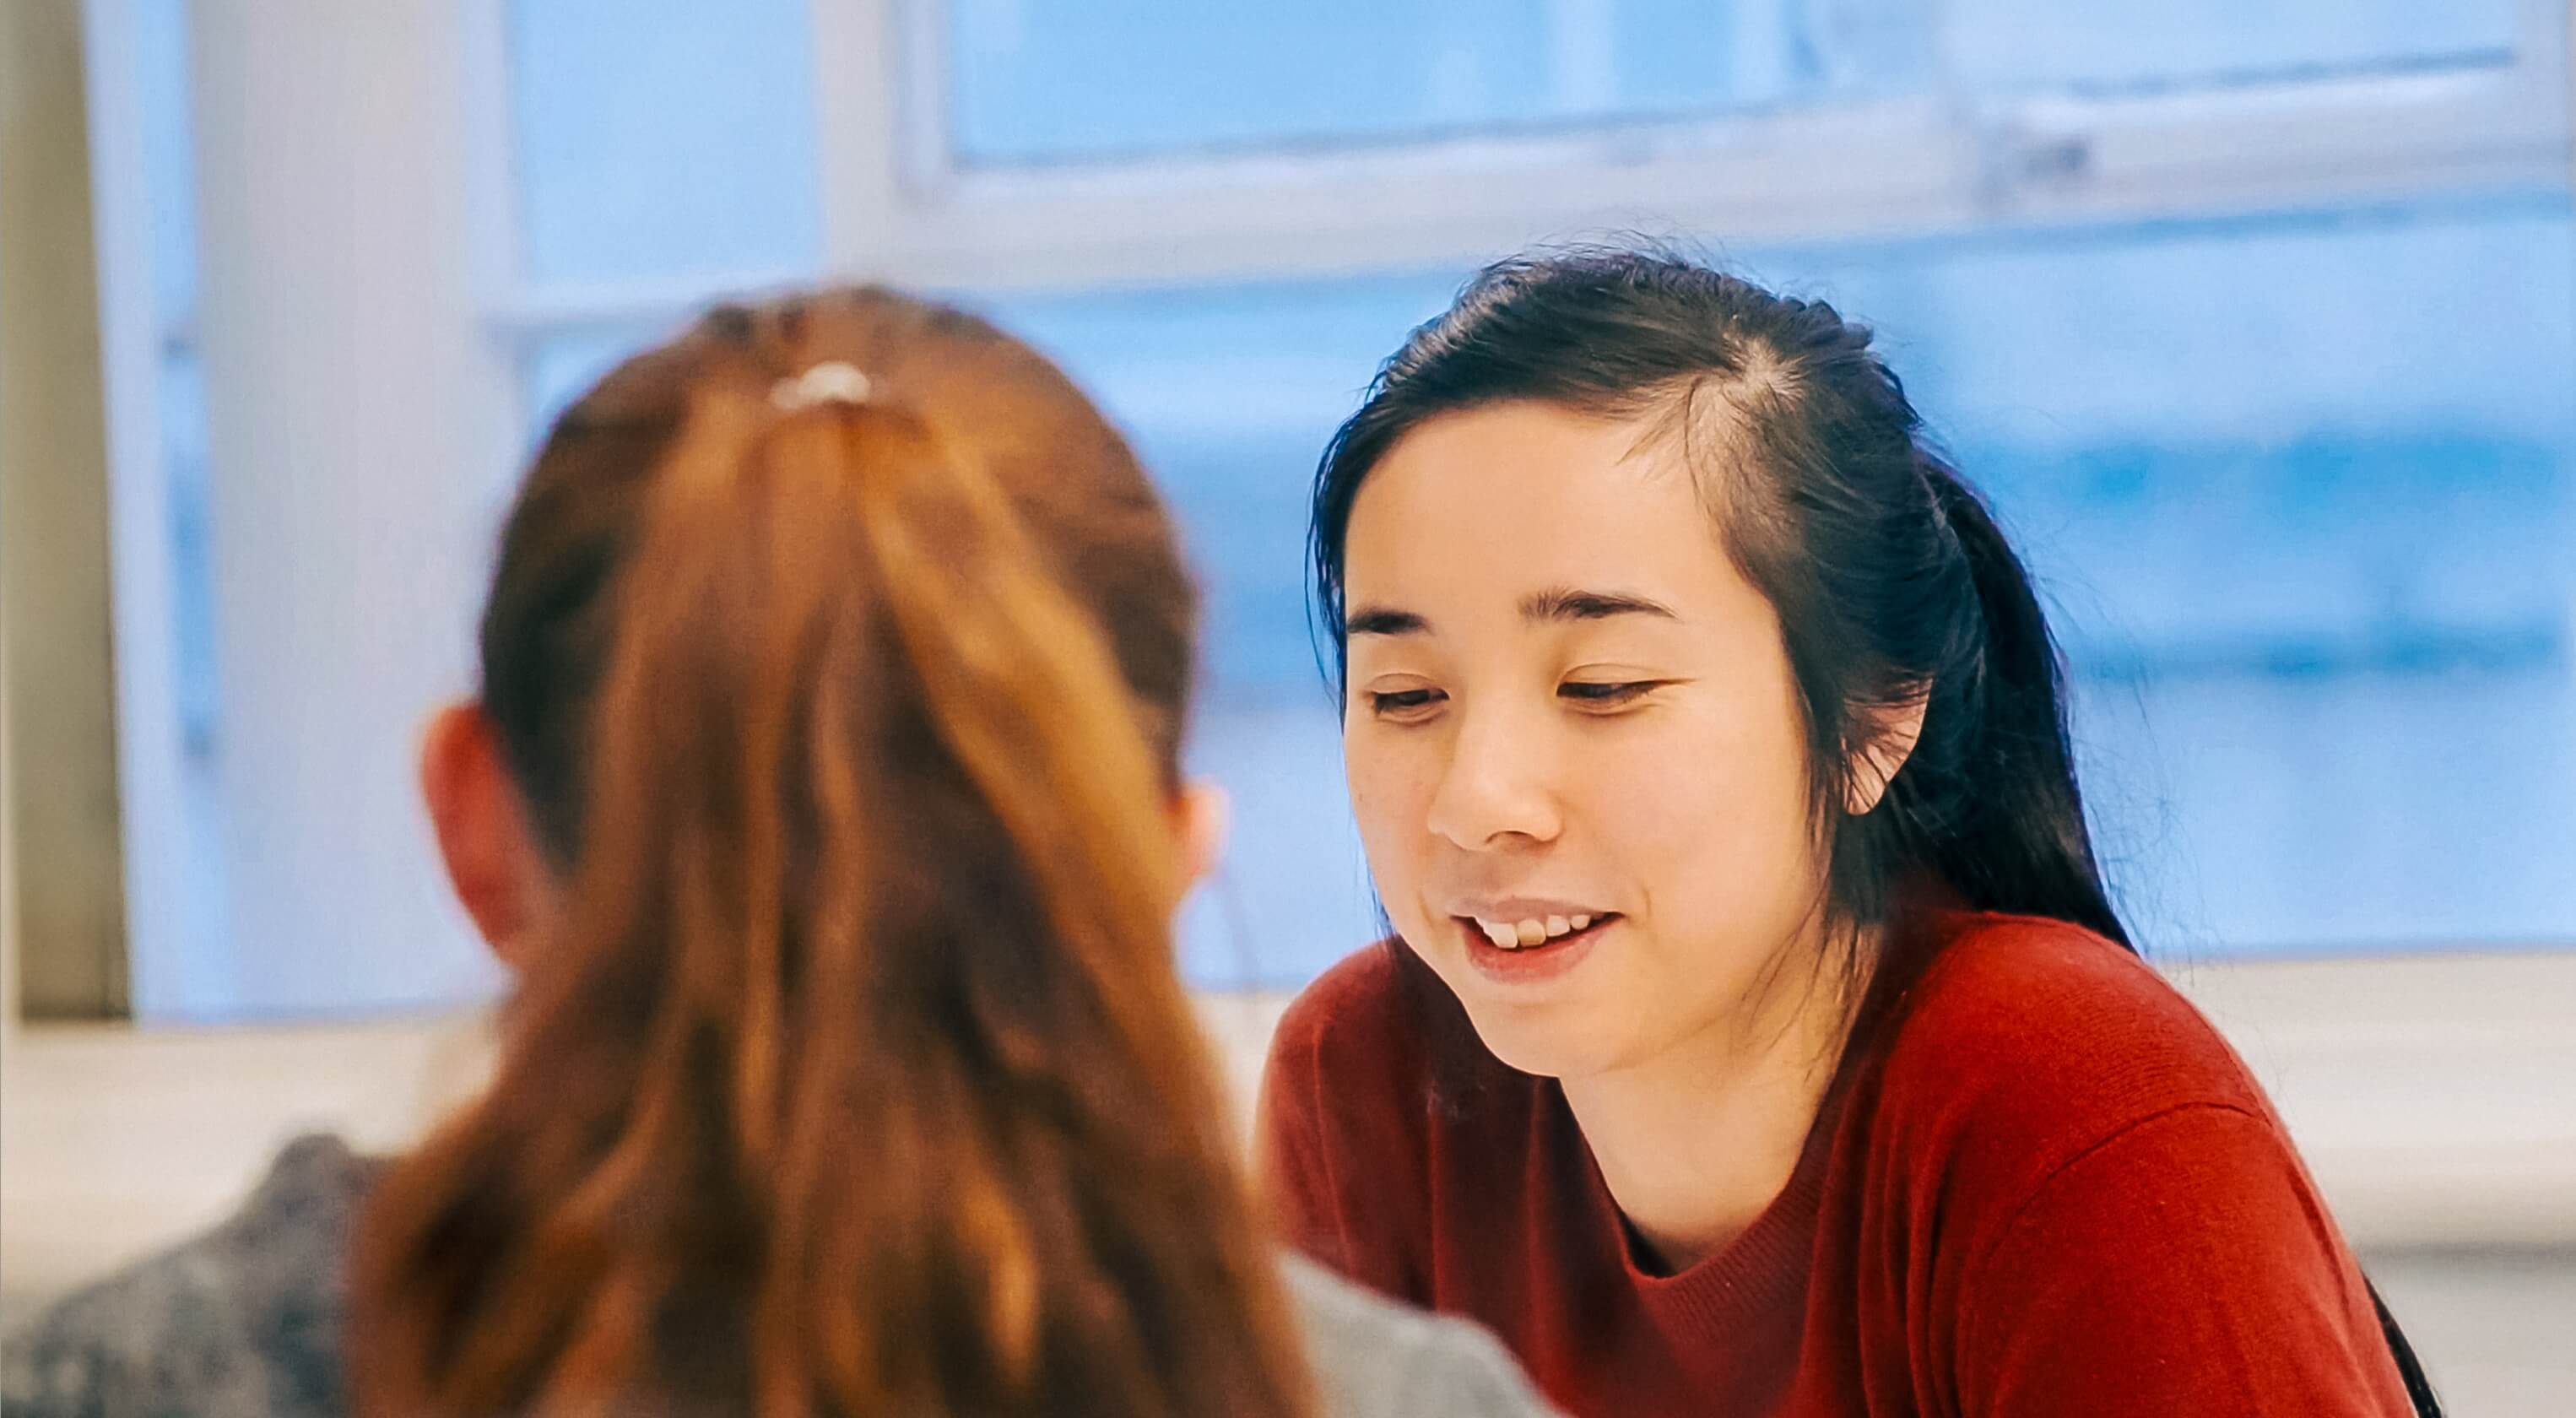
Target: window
(2258, 323)
(1026, 80)
(665, 140)
(2029, 44)
(1030, 83)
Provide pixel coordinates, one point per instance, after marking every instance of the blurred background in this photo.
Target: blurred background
(2256, 319)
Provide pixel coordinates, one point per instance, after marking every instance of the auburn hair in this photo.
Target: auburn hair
(853, 1074)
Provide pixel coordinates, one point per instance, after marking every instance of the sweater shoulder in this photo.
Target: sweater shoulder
(2026, 1042)
(1357, 1008)
(1379, 1041)
(244, 1319)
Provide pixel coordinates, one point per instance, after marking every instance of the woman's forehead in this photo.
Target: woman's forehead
(1494, 506)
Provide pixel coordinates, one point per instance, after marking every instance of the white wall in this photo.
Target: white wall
(357, 409)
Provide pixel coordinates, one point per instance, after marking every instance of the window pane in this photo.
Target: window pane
(2306, 525)
(1040, 80)
(2047, 43)
(182, 414)
(198, 966)
(660, 137)
(169, 161)
(1033, 81)
(198, 969)
(2309, 518)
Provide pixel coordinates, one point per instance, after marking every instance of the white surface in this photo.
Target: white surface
(359, 413)
(2490, 1325)
(2435, 1099)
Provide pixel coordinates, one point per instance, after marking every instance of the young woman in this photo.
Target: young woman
(1757, 1035)
(823, 790)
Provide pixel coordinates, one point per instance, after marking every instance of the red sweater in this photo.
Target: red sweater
(2040, 1185)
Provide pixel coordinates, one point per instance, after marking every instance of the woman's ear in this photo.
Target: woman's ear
(1203, 814)
(1888, 733)
(500, 876)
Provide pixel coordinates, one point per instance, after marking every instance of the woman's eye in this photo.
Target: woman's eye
(1403, 704)
(1600, 695)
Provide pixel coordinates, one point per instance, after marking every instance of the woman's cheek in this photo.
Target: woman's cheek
(1649, 782)
(1366, 770)
(1389, 803)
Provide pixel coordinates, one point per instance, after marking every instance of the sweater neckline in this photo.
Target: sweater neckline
(1751, 1281)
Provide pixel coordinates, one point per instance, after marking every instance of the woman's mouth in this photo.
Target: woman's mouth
(1555, 944)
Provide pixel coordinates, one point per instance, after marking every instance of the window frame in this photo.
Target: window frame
(893, 213)
(1930, 165)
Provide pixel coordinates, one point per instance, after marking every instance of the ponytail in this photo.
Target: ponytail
(2017, 842)
(855, 1075)
(2022, 845)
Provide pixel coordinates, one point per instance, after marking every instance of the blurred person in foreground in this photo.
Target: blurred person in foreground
(823, 792)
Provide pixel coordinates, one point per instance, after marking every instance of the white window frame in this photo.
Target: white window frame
(896, 209)
(1931, 165)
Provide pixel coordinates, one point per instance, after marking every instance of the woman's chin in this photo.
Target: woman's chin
(1549, 1039)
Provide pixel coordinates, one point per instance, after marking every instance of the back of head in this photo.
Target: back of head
(839, 650)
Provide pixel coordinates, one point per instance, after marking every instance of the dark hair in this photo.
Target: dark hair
(1891, 579)
(855, 1074)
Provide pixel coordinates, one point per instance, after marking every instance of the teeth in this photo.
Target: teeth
(1520, 935)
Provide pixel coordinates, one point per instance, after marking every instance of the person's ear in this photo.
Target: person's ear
(1202, 815)
(1886, 736)
(499, 874)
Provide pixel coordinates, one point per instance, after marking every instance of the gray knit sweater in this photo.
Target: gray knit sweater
(244, 1322)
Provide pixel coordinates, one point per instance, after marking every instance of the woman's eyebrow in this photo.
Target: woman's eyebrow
(1384, 620)
(1558, 603)
(1567, 603)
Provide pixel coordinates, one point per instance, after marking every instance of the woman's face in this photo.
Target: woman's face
(1573, 739)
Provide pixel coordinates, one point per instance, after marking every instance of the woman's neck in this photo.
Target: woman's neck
(1696, 1142)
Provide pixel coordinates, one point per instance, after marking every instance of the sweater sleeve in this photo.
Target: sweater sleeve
(1336, 1162)
(2183, 1264)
